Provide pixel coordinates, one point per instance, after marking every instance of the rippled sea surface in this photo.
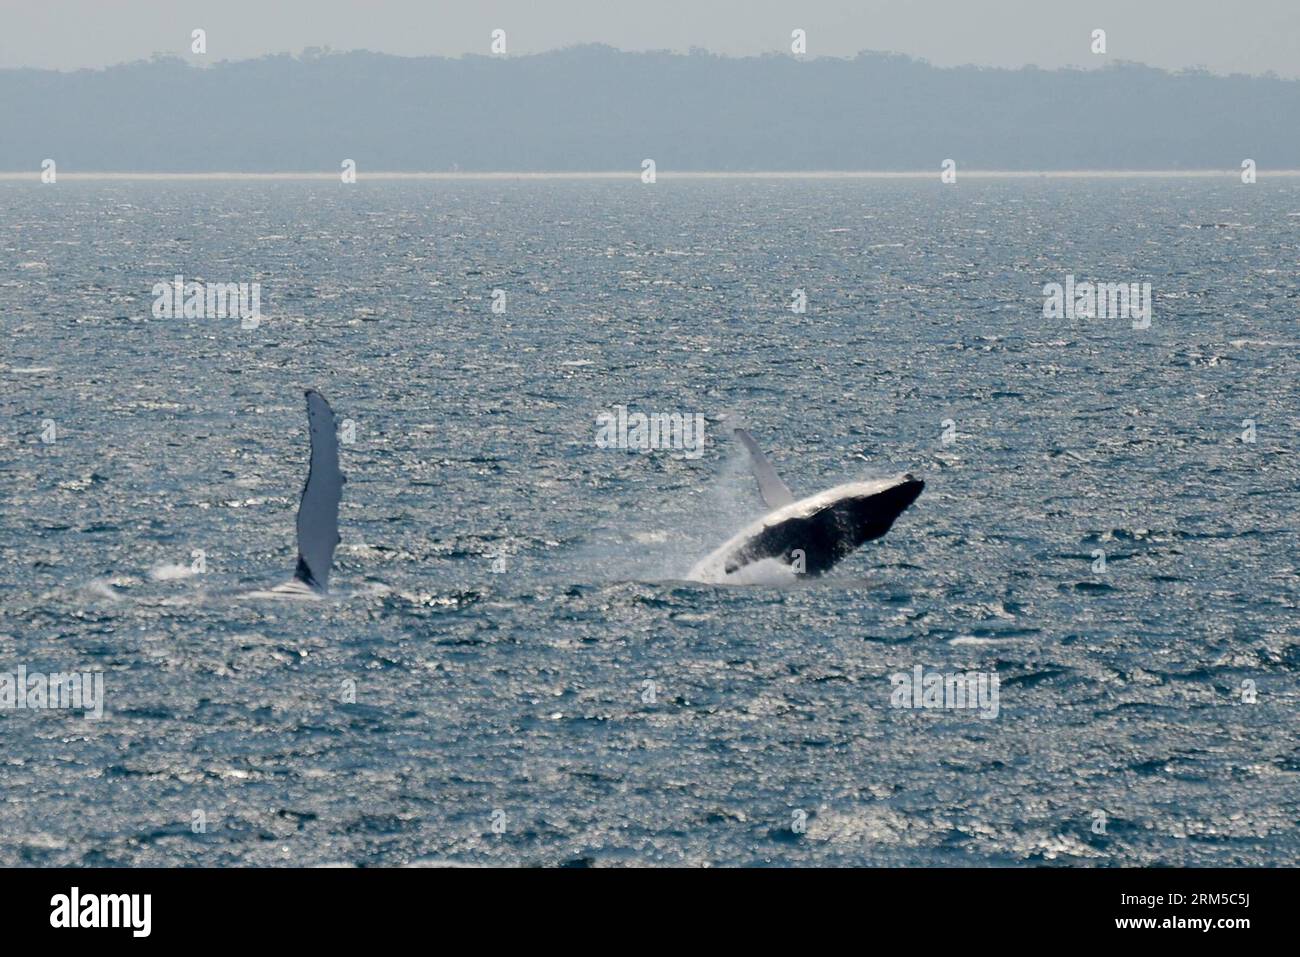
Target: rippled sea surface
(517, 700)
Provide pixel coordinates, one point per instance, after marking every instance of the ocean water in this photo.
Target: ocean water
(535, 682)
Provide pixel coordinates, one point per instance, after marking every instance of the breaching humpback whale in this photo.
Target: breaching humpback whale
(812, 534)
(318, 510)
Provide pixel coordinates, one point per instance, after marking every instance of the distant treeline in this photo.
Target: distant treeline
(596, 108)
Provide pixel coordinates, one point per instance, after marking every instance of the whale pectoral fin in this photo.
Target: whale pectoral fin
(318, 510)
(774, 491)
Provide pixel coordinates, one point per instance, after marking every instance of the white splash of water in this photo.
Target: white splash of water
(765, 571)
(661, 539)
(171, 572)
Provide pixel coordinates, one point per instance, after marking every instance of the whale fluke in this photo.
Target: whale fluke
(774, 491)
(318, 511)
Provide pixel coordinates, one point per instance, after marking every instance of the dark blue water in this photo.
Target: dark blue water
(524, 691)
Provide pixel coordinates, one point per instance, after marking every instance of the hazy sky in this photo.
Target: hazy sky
(1223, 36)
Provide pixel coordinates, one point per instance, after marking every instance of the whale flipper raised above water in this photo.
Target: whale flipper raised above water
(774, 491)
(318, 511)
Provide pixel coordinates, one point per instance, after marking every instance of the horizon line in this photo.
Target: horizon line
(635, 174)
(313, 53)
